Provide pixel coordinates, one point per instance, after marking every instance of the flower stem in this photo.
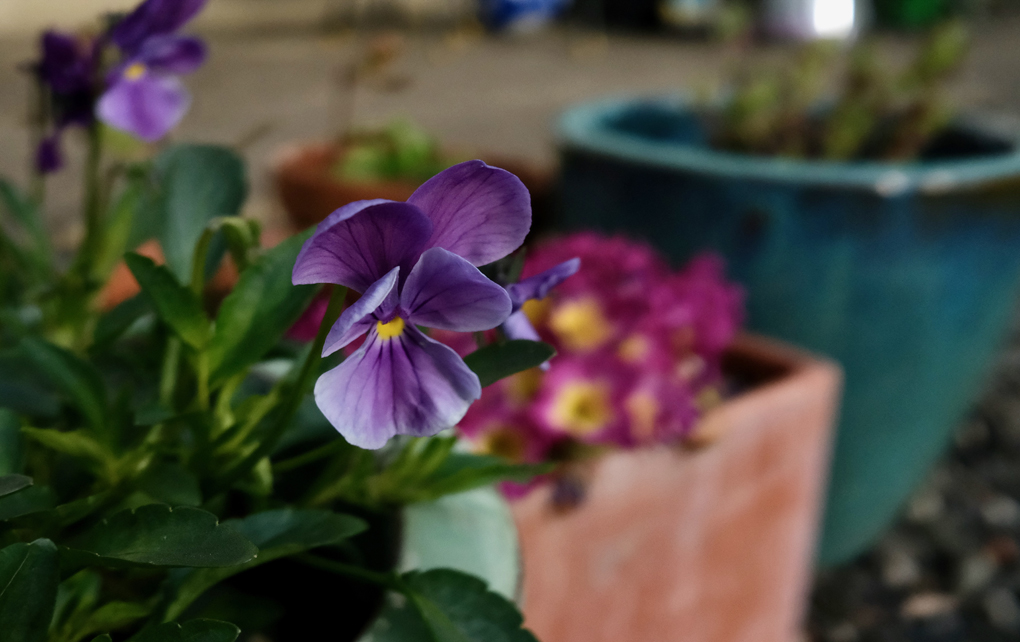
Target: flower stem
(168, 377)
(388, 580)
(297, 393)
(312, 455)
(92, 204)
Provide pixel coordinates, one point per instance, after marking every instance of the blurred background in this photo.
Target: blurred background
(490, 79)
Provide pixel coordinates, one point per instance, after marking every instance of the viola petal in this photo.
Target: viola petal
(358, 319)
(172, 54)
(361, 244)
(445, 291)
(479, 212)
(147, 107)
(153, 18)
(406, 385)
(539, 286)
(518, 326)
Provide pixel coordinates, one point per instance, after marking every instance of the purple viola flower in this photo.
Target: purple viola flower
(415, 264)
(145, 96)
(68, 69)
(517, 325)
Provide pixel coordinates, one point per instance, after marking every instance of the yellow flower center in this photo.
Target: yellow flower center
(522, 387)
(390, 330)
(504, 442)
(581, 408)
(581, 325)
(134, 71)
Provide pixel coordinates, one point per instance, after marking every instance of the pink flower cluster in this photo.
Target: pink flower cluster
(639, 350)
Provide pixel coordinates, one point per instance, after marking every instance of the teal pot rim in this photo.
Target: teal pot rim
(587, 128)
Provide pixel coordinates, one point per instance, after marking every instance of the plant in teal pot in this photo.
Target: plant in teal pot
(879, 229)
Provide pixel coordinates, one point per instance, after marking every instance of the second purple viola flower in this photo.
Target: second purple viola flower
(145, 96)
(415, 264)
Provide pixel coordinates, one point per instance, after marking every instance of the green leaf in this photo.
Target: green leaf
(28, 590)
(175, 303)
(277, 533)
(157, 535)
(76, 443)
(116, 322)
(33, 499)
(448, 606)
(26, 213)
(13, 483)
(102, 638)
(196, 184)
(171, 484)
(72, 376)
(120, 219)
(262, 306)
(10, 443)
(113, 616)
(27, 399)
(461, 472)
(500, 360)
(193, 631)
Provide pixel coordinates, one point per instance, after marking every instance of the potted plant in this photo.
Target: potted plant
(904, 270)
(690, 461)
(166, 471)
(388, 161)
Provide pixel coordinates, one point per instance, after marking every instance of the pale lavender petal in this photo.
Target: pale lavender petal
(479, 212)
(357, 319)
(517, 326)
(363, 244)
(539, 286)
(172, 54)
(153, 18)
(445, 291)
(406, 385)
(148, 107)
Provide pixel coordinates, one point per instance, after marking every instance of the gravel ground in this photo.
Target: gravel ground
(949, 570)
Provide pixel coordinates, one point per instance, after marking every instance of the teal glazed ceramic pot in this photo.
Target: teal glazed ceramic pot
(905, 273)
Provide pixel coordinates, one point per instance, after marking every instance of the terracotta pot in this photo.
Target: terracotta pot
(122, 284)
(310, 192)
(711, 543)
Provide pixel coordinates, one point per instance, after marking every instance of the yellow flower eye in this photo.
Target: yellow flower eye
(390, 330)
(134, 71)
(581, 325)
(581, 408)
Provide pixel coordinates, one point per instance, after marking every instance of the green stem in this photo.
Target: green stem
(198, 261)
(291, 402)
(310, 456)
(92, 205)
(168, 377)
(387, 580)
(40, 116)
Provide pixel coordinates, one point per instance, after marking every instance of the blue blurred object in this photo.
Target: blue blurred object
(906, 273)
(519, 15)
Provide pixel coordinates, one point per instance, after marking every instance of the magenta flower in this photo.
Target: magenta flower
(415, 265)
(145, 96)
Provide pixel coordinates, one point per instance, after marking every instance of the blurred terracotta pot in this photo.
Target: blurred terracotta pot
(310, 192)
(122, 284)
(709, 543)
